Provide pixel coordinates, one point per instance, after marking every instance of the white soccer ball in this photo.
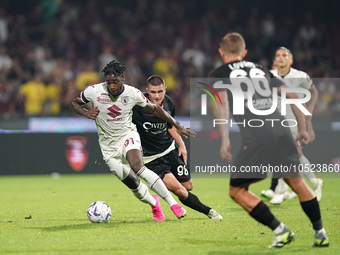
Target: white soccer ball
(98, 212)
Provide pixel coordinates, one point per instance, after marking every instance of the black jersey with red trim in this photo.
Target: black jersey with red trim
(153, 131)
(246, 75)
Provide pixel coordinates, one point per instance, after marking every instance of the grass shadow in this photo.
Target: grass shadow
(89, 225)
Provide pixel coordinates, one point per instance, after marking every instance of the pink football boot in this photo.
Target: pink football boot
(157, 210)
(179, 211)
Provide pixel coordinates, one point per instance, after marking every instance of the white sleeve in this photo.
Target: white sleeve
(306, 81)
(88, 95)
(140, 99)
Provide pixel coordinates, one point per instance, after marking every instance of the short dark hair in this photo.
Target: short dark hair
(115, 68)
(155, 80)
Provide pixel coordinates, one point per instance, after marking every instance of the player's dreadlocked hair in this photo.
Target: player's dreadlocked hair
(115, 68)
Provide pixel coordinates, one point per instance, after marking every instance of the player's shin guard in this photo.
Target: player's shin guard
(154, 182)
(312, 210)
(262, 214)
(142, 193)
(193, 202)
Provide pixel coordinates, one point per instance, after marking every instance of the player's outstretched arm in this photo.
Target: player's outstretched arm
(302, 136)
(159, 112)
(311, 103)
(222, 112)
(310, 131)
(182, 150)
(76, 106)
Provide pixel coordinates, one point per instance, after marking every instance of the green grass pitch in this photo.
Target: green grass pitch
(59, 225)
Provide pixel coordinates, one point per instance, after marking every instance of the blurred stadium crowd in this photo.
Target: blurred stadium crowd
(50, 50)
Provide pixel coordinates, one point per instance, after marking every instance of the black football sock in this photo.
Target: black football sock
(275, 181)
(262, 214)
(312, 209)
(193, 202)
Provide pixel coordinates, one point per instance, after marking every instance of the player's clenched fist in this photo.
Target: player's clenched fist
(92, 113)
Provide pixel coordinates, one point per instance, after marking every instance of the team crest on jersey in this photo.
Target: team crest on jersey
(125, 100)
(103, 99)
(77, 152)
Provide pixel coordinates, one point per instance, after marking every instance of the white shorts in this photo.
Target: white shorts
(118, 164)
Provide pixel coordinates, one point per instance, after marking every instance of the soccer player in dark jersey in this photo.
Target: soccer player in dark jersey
(265, 145)
(159, 150)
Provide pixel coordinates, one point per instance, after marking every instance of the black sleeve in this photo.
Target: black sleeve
(173, 111)
(273, 81)
(214, 75)
(135, 111)
(220, 74)
(171, 107)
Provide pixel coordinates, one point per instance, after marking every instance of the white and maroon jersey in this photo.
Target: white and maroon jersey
(294, 79)
(114, 120)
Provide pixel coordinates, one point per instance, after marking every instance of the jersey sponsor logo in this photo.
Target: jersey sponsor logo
(117, 119)
(104, 100)
(125, 100)
(149, 125)
(155, 128)
(77, 152)
(114, 111)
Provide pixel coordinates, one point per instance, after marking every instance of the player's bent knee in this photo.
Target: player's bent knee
(136, 167)
(236, 192)
(120, 170)
(181, 192)
(136, 164)
(135, 159)
(233, 192)
(188, 185)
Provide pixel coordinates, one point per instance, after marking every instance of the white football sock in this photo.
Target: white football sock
(309, 175)
(282, 187)
(143, 194)
(279, 229)
(316, 232)
(155, 183)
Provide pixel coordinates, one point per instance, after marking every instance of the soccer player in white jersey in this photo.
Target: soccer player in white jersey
(112, 103)
(296, 79)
